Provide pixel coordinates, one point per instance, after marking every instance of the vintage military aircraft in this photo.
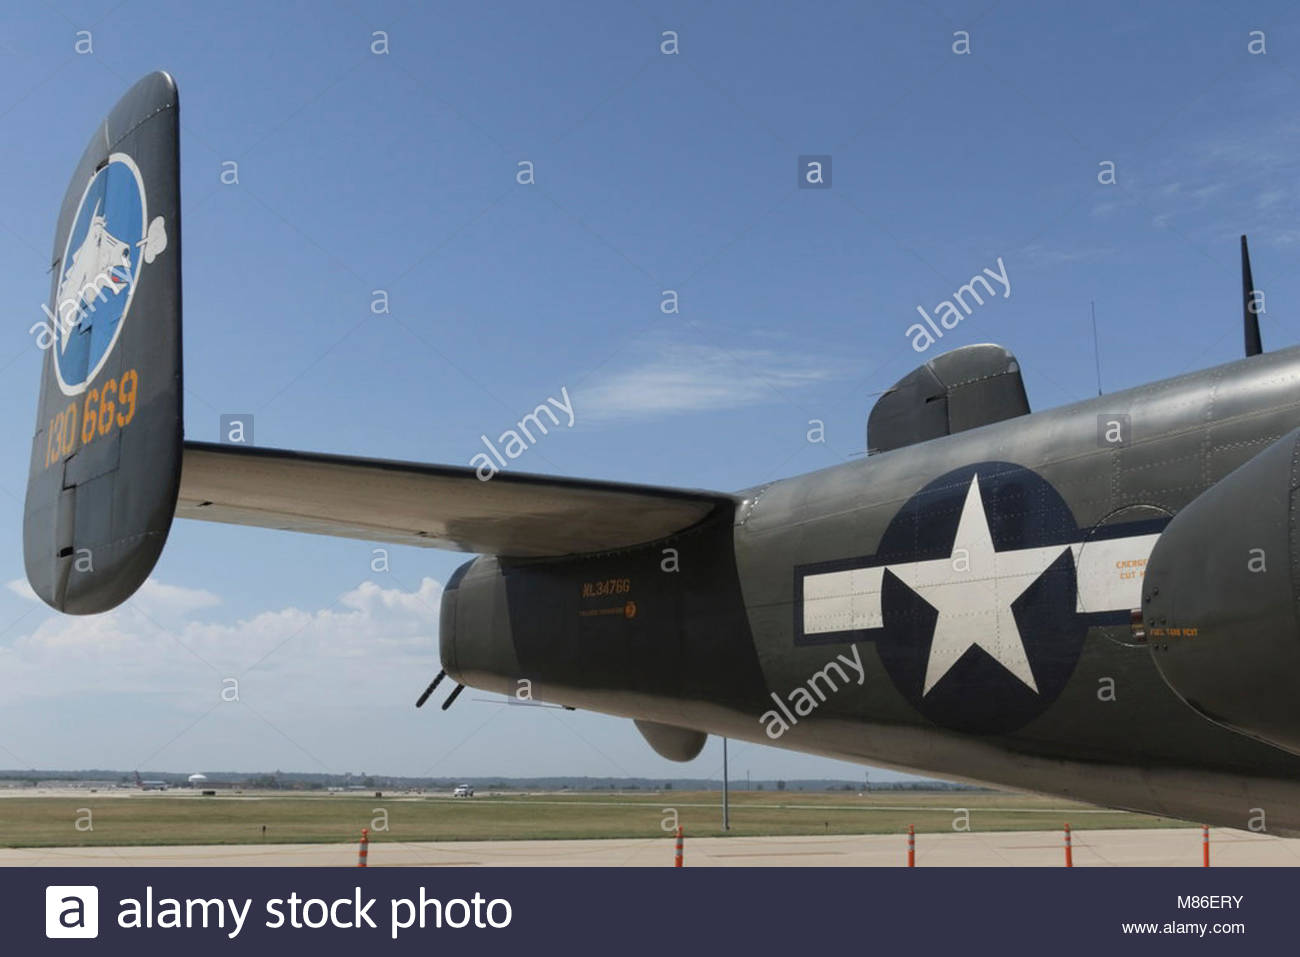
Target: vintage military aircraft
(1097, 601)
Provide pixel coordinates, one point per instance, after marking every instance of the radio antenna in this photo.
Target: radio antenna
(1096, 348)
(1249, 318)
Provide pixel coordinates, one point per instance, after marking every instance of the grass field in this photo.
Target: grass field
(159, 819)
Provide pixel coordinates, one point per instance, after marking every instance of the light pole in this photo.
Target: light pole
(726, 822)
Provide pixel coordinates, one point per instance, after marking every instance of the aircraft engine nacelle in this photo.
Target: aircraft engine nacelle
(1219, 598)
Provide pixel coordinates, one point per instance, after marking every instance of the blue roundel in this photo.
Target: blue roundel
(98, 272)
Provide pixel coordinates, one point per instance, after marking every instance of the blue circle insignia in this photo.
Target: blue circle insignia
(99, 270)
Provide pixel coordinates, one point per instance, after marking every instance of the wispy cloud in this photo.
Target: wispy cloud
(1043, 254)
(1238, 180)
(1235, 179)
(1270, 198)
(677, 379)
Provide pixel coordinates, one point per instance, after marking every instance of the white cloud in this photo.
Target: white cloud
(694, 378)
(153, 597)
(160, 641)
(21, 588)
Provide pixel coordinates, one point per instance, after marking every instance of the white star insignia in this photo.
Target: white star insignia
(973, 590)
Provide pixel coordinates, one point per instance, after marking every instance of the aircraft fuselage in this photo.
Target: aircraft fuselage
(961, 607)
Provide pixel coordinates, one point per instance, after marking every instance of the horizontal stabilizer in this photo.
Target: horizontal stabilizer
(436, 506)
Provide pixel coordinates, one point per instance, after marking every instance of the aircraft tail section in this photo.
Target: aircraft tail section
(106, 456)
(110, 468)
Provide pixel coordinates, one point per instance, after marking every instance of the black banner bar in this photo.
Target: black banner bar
(666, 911)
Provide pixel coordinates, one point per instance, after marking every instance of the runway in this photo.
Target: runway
(1099, 848)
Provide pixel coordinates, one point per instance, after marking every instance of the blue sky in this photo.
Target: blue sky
(359, 172)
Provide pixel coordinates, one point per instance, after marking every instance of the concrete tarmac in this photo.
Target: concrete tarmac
(1100, 848)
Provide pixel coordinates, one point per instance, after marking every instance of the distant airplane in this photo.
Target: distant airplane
(1097, 601)
(150, 785)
